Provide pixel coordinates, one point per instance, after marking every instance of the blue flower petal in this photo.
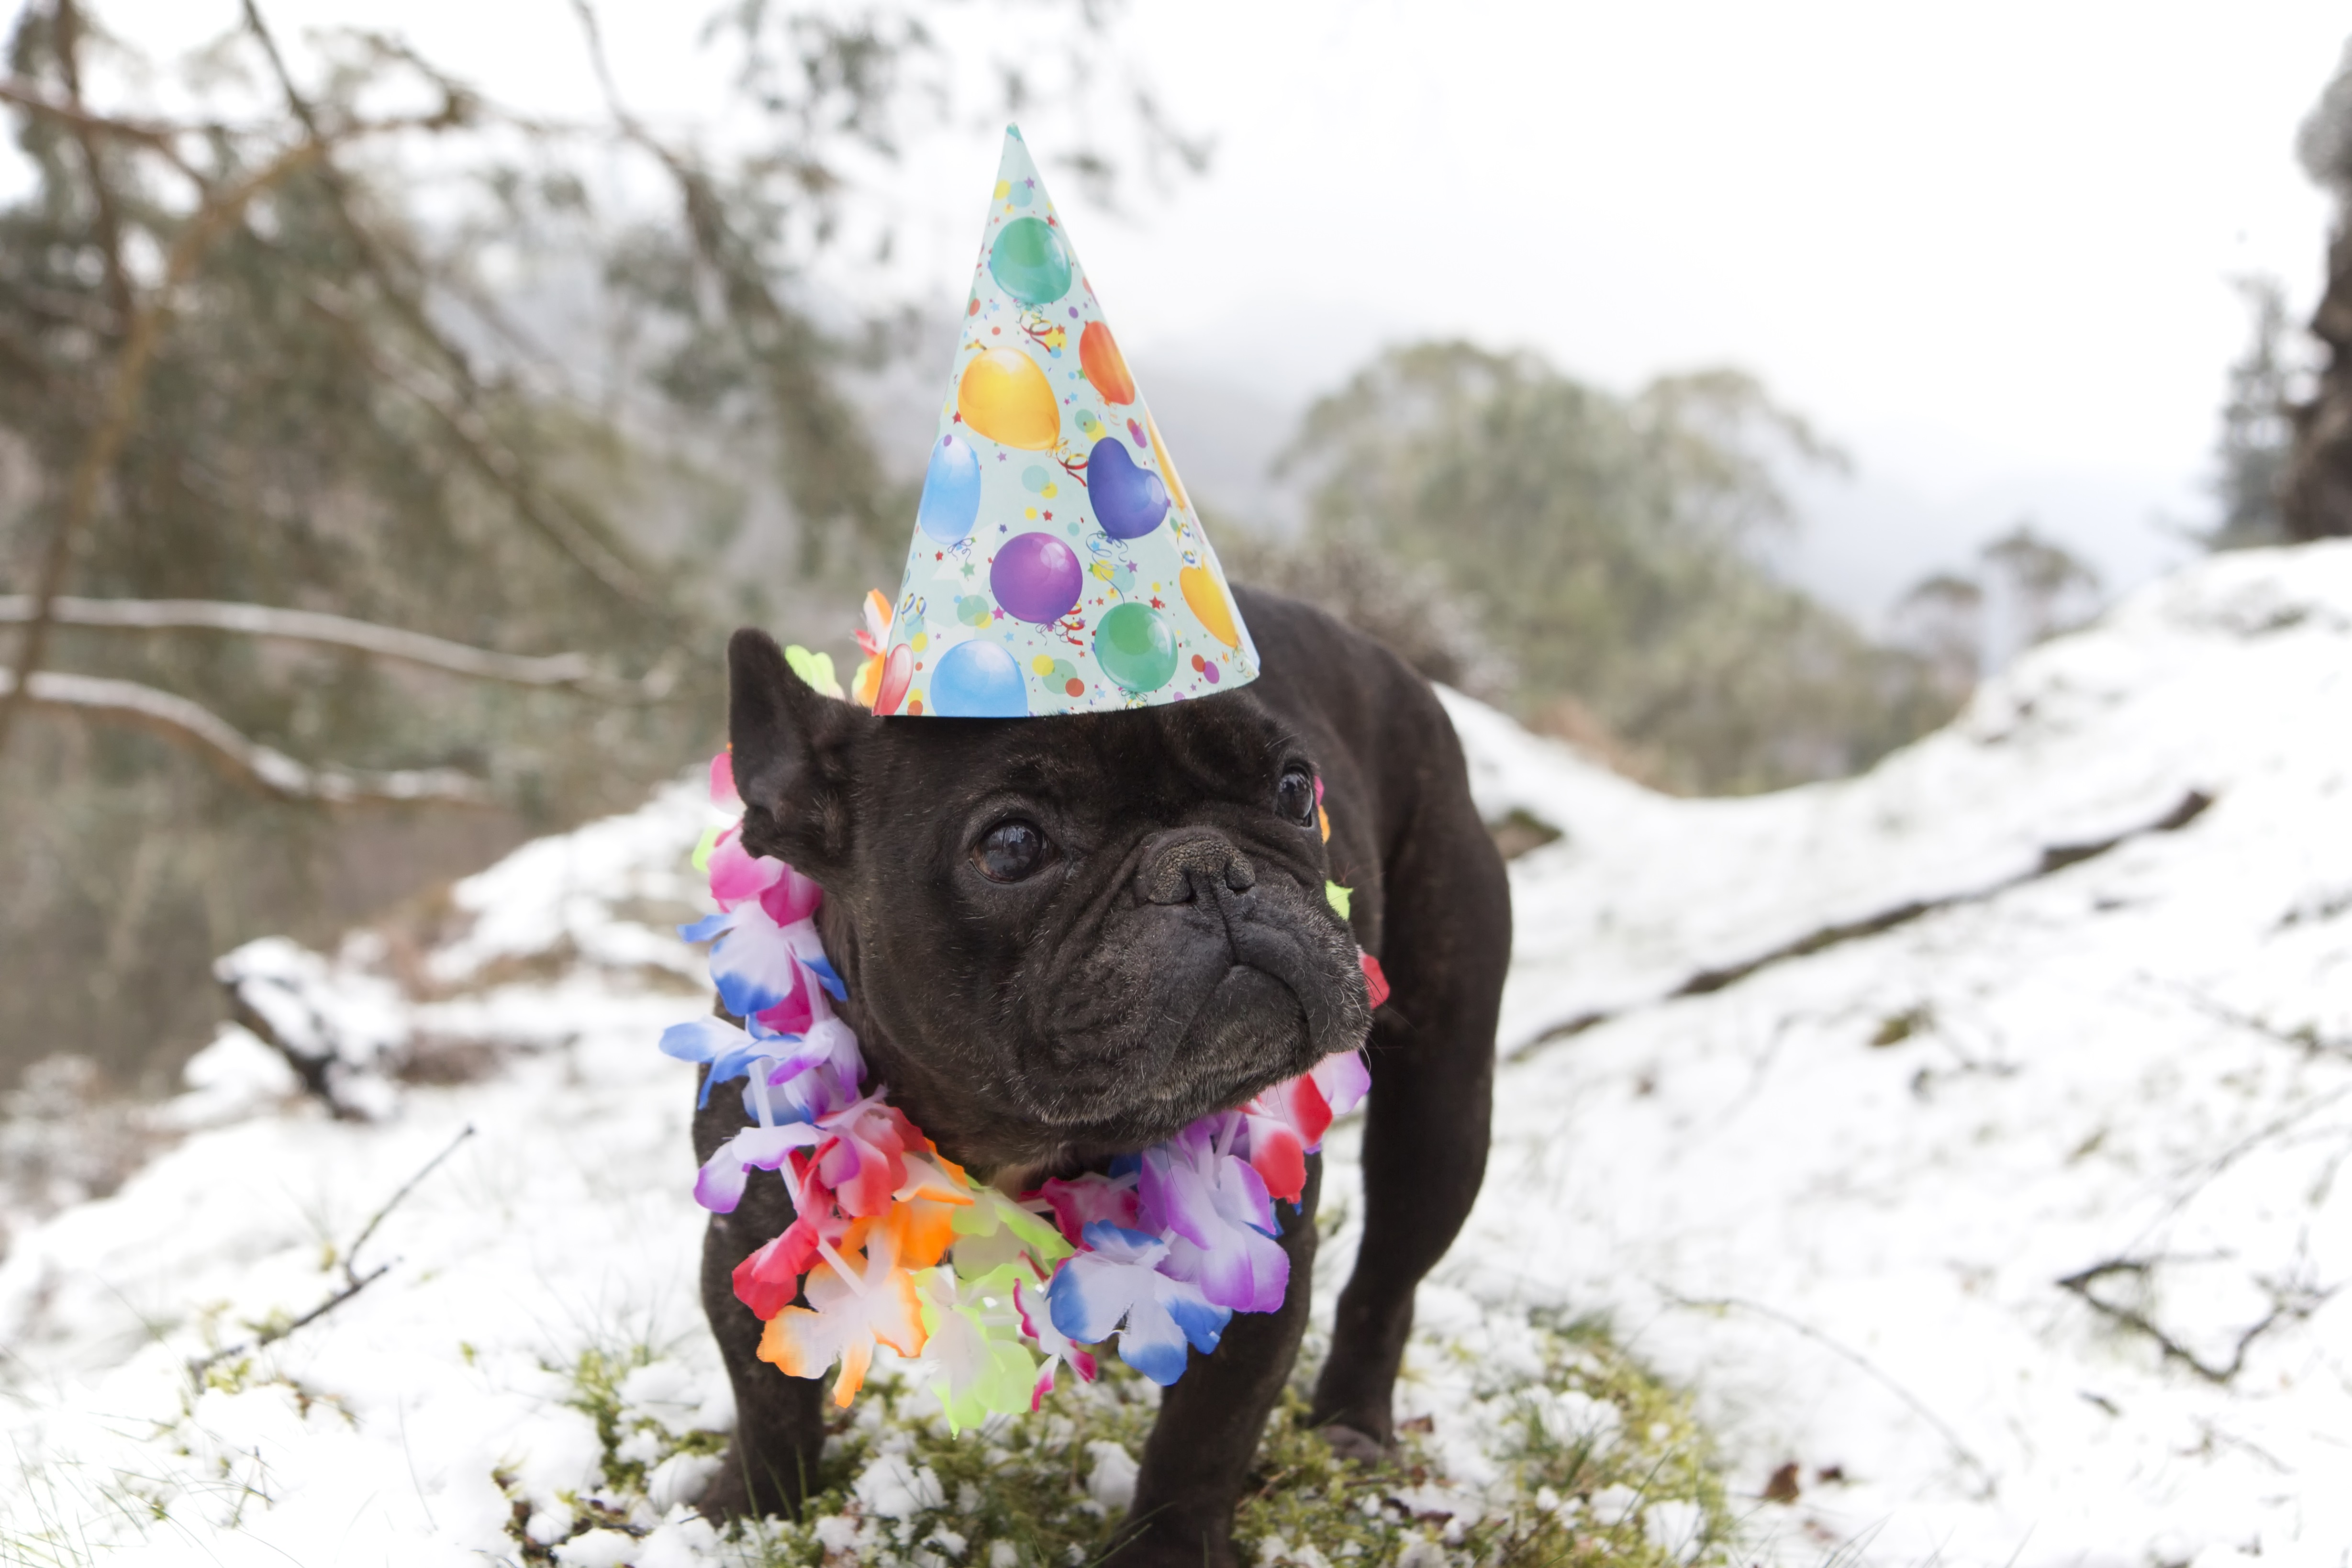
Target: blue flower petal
(822, 968)
(709, 925)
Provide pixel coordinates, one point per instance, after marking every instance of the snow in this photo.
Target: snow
(1820, 1098)
(2144, 1060)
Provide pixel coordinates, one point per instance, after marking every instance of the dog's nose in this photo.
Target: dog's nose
(1174, 858)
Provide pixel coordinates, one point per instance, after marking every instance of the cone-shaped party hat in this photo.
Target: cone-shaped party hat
(1058, 566)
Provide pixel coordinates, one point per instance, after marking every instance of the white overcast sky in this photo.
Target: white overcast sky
(1986, 247)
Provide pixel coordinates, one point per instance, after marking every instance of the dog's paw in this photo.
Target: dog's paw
(1355, 1447)
(726, 1498)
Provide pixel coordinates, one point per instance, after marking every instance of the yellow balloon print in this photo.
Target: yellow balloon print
(1168, 472)
(1208, 600)
(1006, 397)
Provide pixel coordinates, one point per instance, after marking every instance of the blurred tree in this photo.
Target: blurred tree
(1601, 546)
(2257, 429)
(1941, 619)
(2318, 487)
(296, 473)
(2047, 589)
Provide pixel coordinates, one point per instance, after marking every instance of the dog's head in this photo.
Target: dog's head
(1064, 935)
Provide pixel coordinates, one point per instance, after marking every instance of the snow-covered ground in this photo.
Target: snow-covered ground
(1965, 1134)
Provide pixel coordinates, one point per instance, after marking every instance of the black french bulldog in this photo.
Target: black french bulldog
(1064, 938)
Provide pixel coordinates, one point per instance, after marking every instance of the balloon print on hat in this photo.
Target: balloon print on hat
(1006, 397)
(951, 491)
(1105, 366)
(1206, 593)
(979, 680)
(1160, 451)
(1128, 500)
(1036, 577)
(1135, 647)
(1030, 260)
(1067, 571)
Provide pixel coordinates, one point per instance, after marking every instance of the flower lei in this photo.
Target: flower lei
(892, 1243)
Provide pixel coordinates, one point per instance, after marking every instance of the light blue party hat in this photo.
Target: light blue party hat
(1058, 566)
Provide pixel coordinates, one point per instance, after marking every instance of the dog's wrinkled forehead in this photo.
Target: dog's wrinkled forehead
(1131, 769)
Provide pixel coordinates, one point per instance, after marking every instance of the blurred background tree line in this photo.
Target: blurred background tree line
(377, 486)
(381, 472)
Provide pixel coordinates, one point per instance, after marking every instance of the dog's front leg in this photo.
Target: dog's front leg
(778, 1420)
(1198, 1456)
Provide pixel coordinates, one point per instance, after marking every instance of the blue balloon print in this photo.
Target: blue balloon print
(1128, 500)
(978, 680)
(951, 491)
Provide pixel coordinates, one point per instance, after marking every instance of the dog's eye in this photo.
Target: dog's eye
(1295, 796)
(1010, 851)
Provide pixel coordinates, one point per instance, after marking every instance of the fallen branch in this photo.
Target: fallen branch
(2288, 1305)
(353, 1280)
(186, 722)
(317, 627)
(2055, 858)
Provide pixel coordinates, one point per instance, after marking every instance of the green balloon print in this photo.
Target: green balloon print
(1135, 647)
(1030, 260)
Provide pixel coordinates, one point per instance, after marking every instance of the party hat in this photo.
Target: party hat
(1058, 566)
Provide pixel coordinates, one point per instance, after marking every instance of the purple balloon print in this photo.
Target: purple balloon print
(1036, 577)
(1128, 499)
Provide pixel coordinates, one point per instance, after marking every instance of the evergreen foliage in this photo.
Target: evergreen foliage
(1600, 547)
(2257, 443)
(240, 363)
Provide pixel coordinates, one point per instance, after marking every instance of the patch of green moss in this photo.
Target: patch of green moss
(1564, 1452)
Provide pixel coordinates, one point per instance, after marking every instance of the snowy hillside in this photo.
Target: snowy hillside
(1965, 1135)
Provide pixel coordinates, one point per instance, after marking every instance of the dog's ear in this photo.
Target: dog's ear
(791, 748)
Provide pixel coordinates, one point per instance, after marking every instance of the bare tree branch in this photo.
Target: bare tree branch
(101, 189)
(604, 560)
(159, 136)
(186, 722)
(353, 1280)
(143, 332)
(223, 207)
(494, 461)
(572, 671)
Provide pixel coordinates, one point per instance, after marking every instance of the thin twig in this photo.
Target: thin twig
(2306, 1038)
(353, 1280)
(189, 723)
(573, 671)
(2288, 1305)
(351, 1257)
(1733, 1303)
